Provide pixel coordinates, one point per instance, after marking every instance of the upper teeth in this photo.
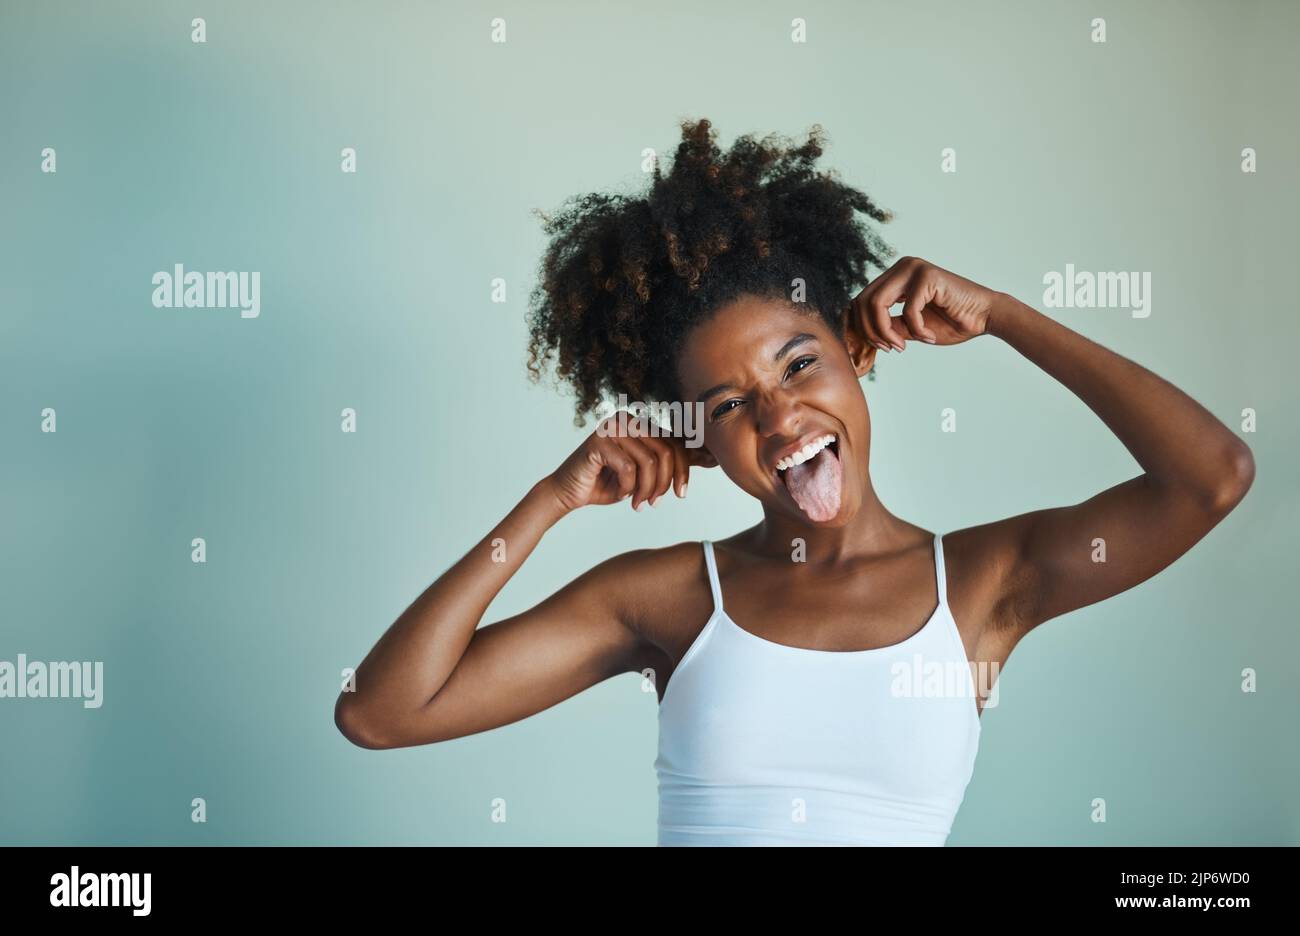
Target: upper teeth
(805, 453)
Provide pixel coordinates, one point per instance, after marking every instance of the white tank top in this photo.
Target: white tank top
(761, 743)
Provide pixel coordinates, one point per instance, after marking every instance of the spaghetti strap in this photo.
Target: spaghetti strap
(713, 576)
(939, 573)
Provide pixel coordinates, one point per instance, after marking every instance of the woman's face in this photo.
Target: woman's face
(775, 381)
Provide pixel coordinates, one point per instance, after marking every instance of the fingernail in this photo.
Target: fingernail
(928, 340)
(683, 490)
(653, 499)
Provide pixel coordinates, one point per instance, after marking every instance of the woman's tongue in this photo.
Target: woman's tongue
(815, 485)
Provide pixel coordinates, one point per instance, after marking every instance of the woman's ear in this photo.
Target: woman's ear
(701, 457)
(696, 455)
(861, 352)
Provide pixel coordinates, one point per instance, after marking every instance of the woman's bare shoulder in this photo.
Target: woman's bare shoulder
(660, 590)
(651, 573)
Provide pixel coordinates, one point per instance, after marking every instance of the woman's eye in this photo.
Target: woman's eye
(800, 364)
(725, 408)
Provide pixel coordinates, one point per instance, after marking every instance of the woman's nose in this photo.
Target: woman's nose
(778, 415)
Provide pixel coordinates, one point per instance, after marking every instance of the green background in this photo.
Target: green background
(220, 679)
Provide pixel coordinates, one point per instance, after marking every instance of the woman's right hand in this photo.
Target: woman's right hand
(613, 463)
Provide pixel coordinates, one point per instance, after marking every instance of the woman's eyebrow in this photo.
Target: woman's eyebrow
(792, 344)
(796, 341)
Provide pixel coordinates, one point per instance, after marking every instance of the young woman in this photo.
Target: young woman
(793, 660)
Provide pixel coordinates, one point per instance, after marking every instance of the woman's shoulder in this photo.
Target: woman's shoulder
(658, 587)
(665, 559)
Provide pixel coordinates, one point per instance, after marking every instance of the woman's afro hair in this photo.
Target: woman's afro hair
(624, 279)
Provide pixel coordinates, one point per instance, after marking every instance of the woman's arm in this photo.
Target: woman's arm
(435, 675)
(1195, 471)
(1048, 562)
(1180, 445)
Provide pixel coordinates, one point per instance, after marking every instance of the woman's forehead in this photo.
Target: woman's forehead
(750, 332)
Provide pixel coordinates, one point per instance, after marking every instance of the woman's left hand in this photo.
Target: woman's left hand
(940, 307)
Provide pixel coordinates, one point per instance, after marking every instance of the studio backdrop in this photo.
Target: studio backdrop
(221, 504)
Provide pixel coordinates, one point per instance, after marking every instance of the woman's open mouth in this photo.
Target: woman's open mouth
(814, 478)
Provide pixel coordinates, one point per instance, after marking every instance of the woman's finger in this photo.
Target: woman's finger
(612, 456)
(866, 318)
(662, 450)
(862, 319)
(661, 443)
(920, 291)
(681, 467)
(647, 469)
(892, 288)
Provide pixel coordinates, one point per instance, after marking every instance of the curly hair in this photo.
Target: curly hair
(624, 279)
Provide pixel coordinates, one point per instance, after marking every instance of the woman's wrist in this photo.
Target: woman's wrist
(1005, 314)
(543, 497)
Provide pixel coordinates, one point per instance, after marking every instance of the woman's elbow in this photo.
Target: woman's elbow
(354, 725)
(1238, 477)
